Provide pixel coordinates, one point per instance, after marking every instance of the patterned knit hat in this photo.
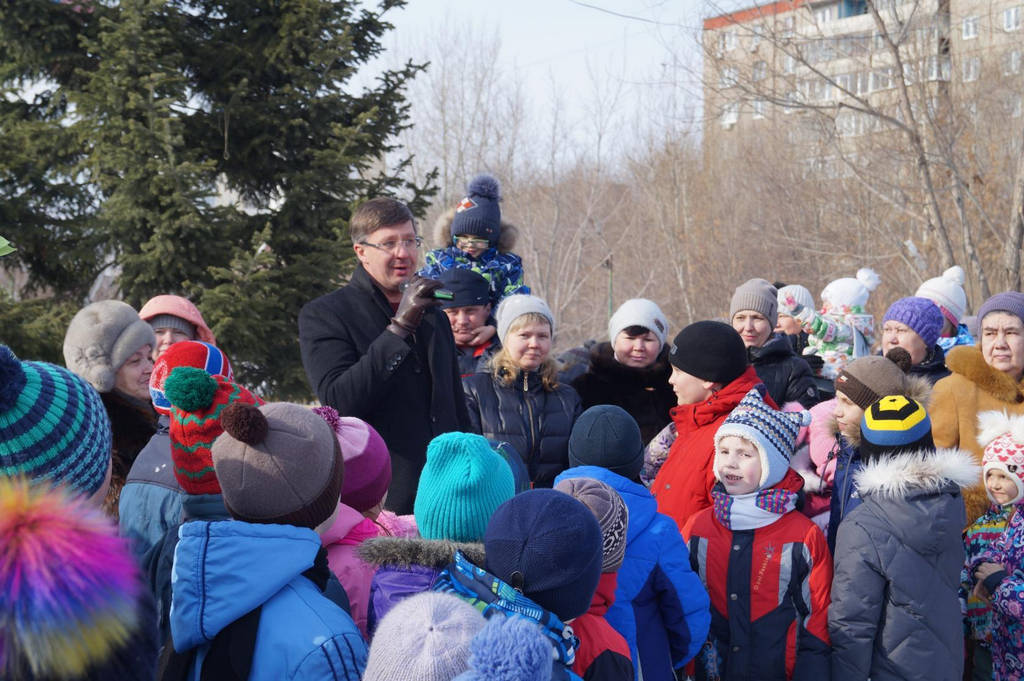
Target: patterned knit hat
(462, 483)
(611, 513)
(367, 460)
(920, 314)
(850, 292)
(53, 425)
(479, 213)
(948, 293)
(196, 354)
(197, 400)
(425, 637)
(798, 293)
(547, 545)
(773, 432)
(638, 312)
(1002, 436)
(894, 425)
(278, 464)
(758, 295)
(101, 338)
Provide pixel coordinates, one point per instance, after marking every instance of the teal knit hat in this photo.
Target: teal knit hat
(461, 485)
(53, 425)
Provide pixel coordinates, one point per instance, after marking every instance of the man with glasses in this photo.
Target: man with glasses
(379, 349)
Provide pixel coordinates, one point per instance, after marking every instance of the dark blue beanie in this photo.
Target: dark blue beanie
(479, 213)
(607, 436)
(468, 287)
(547, 545)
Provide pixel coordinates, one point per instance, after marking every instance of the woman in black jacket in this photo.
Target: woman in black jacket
(519, 400)
(753, 313)
(631, 370)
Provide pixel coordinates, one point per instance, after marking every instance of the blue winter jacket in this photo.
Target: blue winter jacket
(223, 570)
(150, 502)
(661, 607)
(845, 497)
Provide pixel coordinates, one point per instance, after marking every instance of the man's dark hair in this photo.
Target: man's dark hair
(376, 213)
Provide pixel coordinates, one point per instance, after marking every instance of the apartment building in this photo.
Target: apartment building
(821, 74)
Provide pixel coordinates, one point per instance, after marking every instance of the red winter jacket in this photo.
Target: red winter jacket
(603, 654)
(683, 486)
(770, 591)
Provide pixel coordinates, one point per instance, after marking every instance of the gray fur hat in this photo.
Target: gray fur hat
(102, 336)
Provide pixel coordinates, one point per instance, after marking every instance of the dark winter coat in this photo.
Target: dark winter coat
(133, 423)
(535, 421)
(845, 497)
(661, 607)
(644, 393)
(406, 567)
(932, 367)
(787, 376)
(895, 613)
(151, 499)
(474, 360)
(408, 389)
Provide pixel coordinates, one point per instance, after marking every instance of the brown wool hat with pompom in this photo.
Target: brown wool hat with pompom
(279, 464)
(866, 380)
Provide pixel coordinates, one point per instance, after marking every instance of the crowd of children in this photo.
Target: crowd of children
(791, 519)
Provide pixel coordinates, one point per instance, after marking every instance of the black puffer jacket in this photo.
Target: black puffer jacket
(933, 367)
(787, 377)
(536, 422)
(644, 393)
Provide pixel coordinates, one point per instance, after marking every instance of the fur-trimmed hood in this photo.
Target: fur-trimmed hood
(969, 363)
(919, 388)
(405, 552)
(922, 472)
(443, 233)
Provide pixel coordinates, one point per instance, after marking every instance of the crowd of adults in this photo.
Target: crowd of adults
(445, 414)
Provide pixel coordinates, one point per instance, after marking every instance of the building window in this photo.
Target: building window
(1017, 107)
(1011, 62)
(938, 68)
(972, 69)
(791, 101)
(759, 71)
(759, 108)
(1011, 19)
(729, 76)
(786, 27)
(788, 63)
(970, 28)
(727, 40)
(881, 79)
(823, 15)
(845, 82)
(755, 36)
(730, 114)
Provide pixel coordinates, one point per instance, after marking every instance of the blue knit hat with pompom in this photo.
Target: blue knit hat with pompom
(53, 425)
(478, 214)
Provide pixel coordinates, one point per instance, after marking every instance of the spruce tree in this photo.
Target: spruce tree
(213, 149)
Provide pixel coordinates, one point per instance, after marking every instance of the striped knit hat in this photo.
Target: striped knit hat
(773, 432)
(53, 425)
(196, 354)
(197, 400)
(894, 425)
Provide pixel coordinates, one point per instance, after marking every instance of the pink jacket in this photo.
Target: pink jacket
(351, 528)
(823, 439)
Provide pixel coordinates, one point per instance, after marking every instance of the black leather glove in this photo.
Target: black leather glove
(417, 298)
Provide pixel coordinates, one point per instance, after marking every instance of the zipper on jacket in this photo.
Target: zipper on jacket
(529, 416)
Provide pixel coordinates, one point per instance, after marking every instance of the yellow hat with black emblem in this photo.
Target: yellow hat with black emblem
(895, 424)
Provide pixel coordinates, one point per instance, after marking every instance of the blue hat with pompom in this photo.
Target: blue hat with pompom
(479, 214)
(53, 425)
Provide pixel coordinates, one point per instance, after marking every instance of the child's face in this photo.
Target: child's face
(738, 465)
(1000, 486)
(848, 416)
(471, 245)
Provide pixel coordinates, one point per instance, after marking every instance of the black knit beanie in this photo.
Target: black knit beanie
(711, 351)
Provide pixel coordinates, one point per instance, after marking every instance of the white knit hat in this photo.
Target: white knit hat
(948, 293)
(515, 306)
(639, 312)
(798, 293)
(849, 291)
(426, 637)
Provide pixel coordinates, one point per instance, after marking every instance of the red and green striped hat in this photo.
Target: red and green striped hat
(197, 400)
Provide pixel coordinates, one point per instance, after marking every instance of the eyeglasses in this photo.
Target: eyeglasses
(392, 246)
(467, 242)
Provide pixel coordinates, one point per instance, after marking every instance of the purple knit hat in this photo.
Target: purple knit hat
(367, 461)
(1011, 302)
(922, 315)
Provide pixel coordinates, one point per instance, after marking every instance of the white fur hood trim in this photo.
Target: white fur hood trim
(901, 476)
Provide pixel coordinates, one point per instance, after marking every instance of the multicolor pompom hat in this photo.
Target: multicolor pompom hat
(196, 354)
(53, 425)
(1002, 436)
(197, 400)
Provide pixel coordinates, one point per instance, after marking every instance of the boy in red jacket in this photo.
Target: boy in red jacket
(767, 568)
